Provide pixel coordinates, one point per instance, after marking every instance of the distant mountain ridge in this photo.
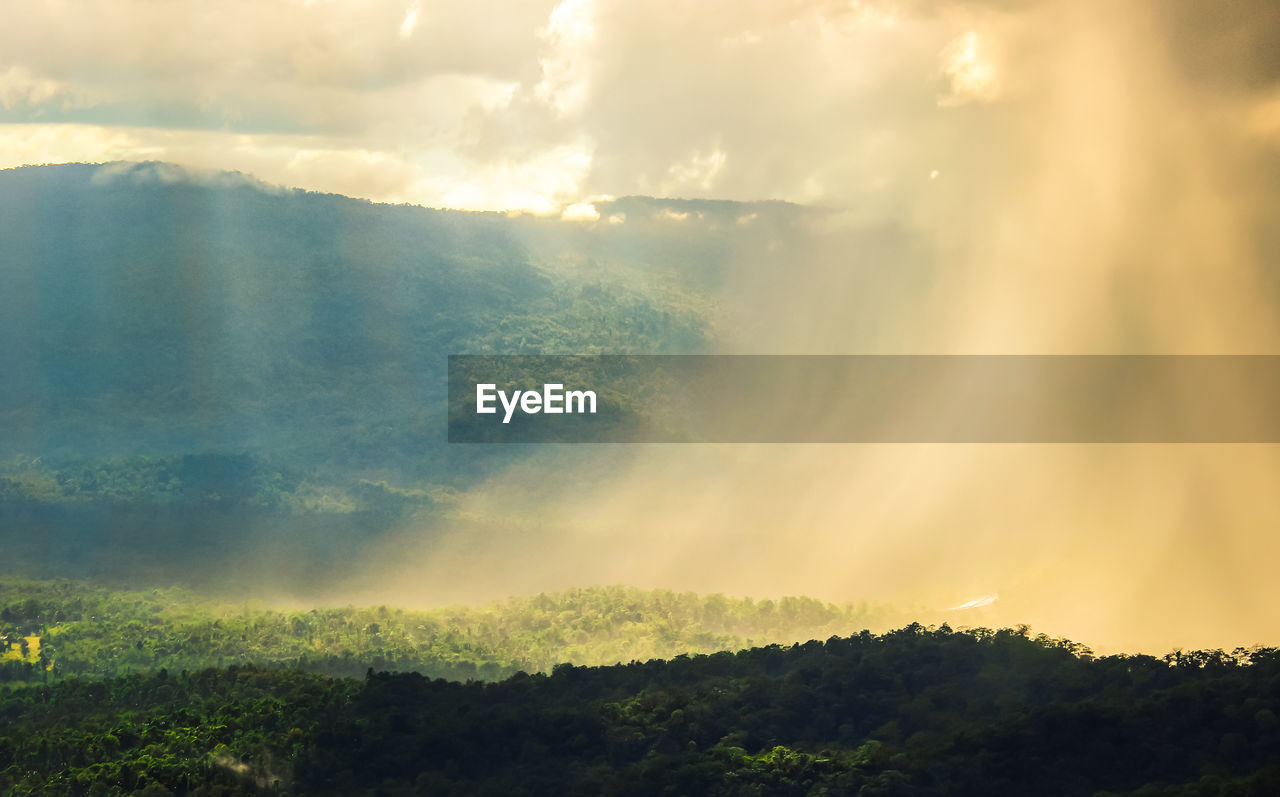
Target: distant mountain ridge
(148, 311)
(190, 355)
(153, 310)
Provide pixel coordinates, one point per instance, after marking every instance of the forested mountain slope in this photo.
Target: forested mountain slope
(196, 363)
(912, 712)
(148, 311)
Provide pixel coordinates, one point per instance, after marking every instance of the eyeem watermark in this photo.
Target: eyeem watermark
(553, 400)
(864, 399)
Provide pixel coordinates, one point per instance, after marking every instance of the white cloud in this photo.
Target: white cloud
(580, 211)
(545, 103)
(570, 35)
(24, 144)
(971, 72)
(20, 87)
(543, 183)
(698, 172)
(662, 98)
(410, 20)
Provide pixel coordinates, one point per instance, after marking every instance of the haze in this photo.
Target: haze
(1047, 177)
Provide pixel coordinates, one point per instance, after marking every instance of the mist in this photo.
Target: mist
(941, 178)
(1096, 191)
(259, 268)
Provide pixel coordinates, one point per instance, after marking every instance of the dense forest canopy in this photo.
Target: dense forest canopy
(914, 711)
(241, 388)
(66, 629)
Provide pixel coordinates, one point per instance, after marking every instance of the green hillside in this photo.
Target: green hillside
(912, 712)
(198, 362)
(56, 630)
(152, 312)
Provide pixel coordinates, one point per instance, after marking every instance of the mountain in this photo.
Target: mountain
(150, 311)
(194, 361)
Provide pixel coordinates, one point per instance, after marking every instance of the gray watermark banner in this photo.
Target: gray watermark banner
(864, 399)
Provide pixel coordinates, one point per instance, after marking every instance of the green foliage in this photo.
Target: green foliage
(911, 712)
(92, 631)
(210, 482)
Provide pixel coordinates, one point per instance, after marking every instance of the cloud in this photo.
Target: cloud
(541, 105)
(713, 99)
(972, 76)
(581, 211)
(998, 176)
(410, 20)
(1079, 169)
(570, 34)
(19, 87)
(698, 173)
(1226, 46)
(812, 101)
(543, 183)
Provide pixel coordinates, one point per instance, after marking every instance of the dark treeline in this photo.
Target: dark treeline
(914, 711)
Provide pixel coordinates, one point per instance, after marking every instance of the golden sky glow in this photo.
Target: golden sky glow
(1062, 177)
(538, 104)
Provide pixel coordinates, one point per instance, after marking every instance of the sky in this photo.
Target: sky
(541, 105)
(1036, 177)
